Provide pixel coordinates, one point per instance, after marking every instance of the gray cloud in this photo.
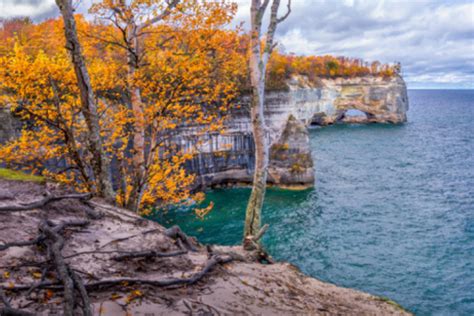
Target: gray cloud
(434, 40)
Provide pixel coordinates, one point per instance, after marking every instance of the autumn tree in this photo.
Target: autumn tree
(187, 78)
(146, 31)
(258, 61)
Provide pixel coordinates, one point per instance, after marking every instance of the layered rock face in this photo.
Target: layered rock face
(227, 158)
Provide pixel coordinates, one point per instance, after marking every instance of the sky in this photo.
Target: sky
(433, 40)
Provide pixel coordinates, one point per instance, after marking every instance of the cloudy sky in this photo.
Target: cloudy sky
(434, 40)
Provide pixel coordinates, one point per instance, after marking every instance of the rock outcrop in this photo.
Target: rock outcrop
(228, 159)
(112, 252)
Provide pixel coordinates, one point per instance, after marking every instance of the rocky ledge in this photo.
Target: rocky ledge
(121, 264)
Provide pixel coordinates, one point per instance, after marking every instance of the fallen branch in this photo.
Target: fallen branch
(261, 232)
(43, 202)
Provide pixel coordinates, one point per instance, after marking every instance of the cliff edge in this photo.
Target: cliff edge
(131, 266)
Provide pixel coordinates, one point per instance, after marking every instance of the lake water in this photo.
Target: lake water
(392, 212)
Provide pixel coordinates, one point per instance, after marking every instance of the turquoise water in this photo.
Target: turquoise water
(392, 212)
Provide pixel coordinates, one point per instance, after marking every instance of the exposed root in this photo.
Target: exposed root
(43, 202)
(106, 283)
(57, 228)
(8, 311)
(176, 233)
(148, 254)
(55, 243)
(252, 244)
(79, 284)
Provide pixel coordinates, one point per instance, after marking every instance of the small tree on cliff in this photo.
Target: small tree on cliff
(257, 67)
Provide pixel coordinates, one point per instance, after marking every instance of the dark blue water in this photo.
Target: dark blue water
(392, 212)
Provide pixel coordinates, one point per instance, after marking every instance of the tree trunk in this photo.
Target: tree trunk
(138, 138)
(257, 78)
(257, 65)
(100, 162)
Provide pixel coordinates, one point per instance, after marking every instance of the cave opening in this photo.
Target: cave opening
(355, 113)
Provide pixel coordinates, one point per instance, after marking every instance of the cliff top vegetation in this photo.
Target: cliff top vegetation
(281, 66)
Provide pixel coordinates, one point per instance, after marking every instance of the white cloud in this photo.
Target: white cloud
(31, 8)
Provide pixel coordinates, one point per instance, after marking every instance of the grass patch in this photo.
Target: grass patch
(393, 303)
(8, 174)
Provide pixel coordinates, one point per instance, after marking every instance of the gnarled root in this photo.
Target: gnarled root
(43, 202)
(183, 240)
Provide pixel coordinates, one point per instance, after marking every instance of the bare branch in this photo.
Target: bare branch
(171, 5)
(288, 8)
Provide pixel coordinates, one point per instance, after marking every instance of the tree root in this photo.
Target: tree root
(8, 310)
(183, 240)
(211, 263)
(148, 254)
(57, 228)
(79, 284)
(55, 243)
(106, 283)
(43, 202)
(251, 243)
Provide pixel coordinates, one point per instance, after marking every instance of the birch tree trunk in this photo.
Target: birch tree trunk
(257, 65)
(100, 162)
(138, 140)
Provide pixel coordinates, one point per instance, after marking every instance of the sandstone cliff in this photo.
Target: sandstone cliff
(111, 253)
(228, 158)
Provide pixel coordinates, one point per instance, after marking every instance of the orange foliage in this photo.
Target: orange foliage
(188, 79)
(282, 67)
